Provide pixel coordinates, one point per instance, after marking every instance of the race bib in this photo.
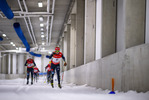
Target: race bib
(35, 70)
(56, 60)
(30, 65)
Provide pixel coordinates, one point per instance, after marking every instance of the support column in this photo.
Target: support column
(0, 62)
(65, 48)
(72, 41)
(80, 32)
(108, 27)
(4, 64)
(132, 23)
(147, 22)
(98, 29)
(135, 22)
(62, 47)
(9, 63)
(65, 45)
(21, 64)
(89, 34)
(14, 65)
(68, 46)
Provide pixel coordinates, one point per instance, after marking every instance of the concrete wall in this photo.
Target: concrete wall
(129, 68)
(135, 22)
(108, 27)
(147, 22)
(131, 23)
(89, 31)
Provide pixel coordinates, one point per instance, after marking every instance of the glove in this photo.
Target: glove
(47, 56)
(65, 64)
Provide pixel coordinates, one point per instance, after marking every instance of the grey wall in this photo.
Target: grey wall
(135, 22)
(131, 23)
(108, 27)
(129, 68)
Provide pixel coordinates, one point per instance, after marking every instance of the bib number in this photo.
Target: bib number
(56, 60)
(30, 65)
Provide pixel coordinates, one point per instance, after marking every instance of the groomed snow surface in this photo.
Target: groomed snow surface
(18, 90)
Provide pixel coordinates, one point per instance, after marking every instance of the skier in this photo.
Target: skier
(48, 69)
(36, 73)
(55, 60)
(30, 69)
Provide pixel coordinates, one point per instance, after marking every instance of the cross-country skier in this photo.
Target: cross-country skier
(48, 69)
(30, 68)
(36, 73)
(55, 64)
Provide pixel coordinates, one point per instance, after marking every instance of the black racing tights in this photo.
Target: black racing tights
(57, 68)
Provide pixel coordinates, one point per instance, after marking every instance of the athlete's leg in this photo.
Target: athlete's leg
(32, 72)
(28, 71)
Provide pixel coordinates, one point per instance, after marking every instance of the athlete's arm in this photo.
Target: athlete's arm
(50, 56)
(25, 63)
(63, 57)
(34, 63)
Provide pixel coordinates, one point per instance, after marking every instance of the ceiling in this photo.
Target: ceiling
(27, 13)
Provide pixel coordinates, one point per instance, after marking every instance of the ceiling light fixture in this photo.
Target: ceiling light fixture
(13, 45)
(43, 43)
(42, 32)
(42, 36)
(4, 35)
(43, 48)
(41, 18)
(41, 25)
(17, 48)
(41, 29)
(40, 4)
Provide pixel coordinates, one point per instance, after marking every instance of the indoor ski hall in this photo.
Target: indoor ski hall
(74, 49)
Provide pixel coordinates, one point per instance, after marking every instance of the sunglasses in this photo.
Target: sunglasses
(57, 51)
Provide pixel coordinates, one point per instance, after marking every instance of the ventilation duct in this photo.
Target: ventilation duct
(21, 35)
(34, 54)
(6, 9)
(1, 39)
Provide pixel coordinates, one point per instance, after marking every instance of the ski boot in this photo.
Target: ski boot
(27, 82)
(52, 85)
(59, 85)
(31, 83)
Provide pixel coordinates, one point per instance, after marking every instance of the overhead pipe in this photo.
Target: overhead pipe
(21, 35)
(48, 28)
(30, 22)
(26, 22)
(6, 9)
(2, 47)
(32, 30)
(16, 16)
(1, 39)
(34, 54)
(51, 25)
(53, 6)
(48, 11)
(29, 30)
(51, 28)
